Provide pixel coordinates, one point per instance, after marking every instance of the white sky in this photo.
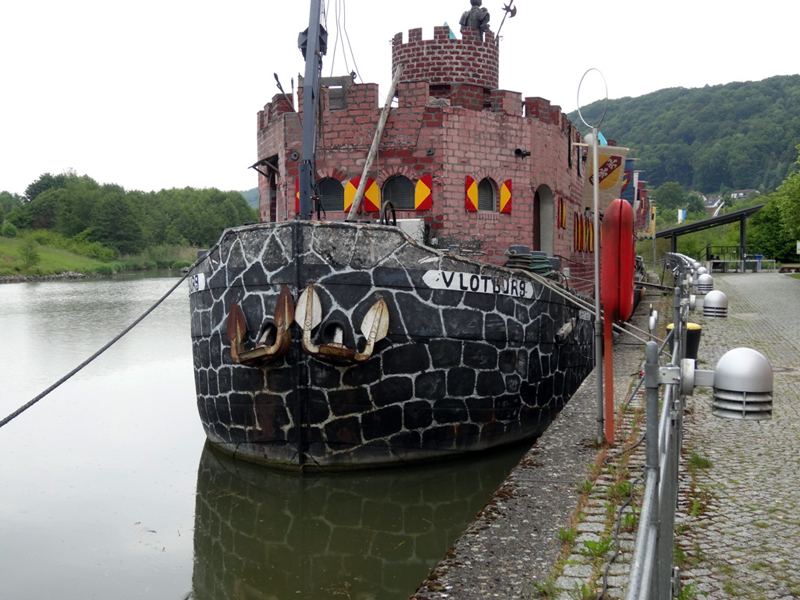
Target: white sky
(164, 93)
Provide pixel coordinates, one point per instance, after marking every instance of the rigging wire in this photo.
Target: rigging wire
(118, 337)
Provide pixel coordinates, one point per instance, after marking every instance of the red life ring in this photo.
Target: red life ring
(618, 261)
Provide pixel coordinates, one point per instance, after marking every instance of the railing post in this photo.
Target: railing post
(652, 475)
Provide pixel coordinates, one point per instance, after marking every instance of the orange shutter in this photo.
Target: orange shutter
(505, 197)
(372, 195)
(423, 194)
(471, 195)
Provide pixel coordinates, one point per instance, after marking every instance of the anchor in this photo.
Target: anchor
(374, 327)
(262, 354)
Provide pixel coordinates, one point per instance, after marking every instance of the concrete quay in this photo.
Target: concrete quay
(563, 524)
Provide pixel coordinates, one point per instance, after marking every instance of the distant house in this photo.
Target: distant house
(741, 194)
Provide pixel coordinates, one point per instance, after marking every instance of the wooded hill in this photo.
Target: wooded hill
(734, 136)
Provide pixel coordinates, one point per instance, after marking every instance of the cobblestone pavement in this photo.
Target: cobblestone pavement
(739, 518)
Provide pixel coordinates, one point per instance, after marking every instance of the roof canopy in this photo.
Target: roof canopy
(731, 217)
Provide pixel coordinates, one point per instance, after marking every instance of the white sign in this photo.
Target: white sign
(798, 247)
(197, 283)
(480, 284)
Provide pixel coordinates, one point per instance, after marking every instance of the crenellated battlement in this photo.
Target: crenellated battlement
(446, 61)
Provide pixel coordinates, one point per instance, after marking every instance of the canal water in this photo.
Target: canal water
(108, 489)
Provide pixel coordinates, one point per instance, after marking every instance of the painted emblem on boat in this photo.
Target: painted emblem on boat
(274, 340)
(308, 315)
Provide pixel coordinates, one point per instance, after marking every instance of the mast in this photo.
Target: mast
(313, 44)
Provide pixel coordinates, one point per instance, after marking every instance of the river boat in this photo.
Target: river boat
(418, 286)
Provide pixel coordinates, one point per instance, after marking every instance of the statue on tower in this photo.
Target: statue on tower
(477, 17)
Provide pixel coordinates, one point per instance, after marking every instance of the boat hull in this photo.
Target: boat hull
(475, 356)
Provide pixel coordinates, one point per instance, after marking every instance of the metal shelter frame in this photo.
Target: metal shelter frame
(740, 215)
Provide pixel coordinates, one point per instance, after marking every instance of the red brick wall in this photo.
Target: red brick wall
(475, 136)
(445, 61)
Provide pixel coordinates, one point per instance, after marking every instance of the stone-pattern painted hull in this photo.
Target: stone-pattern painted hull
(472, 359)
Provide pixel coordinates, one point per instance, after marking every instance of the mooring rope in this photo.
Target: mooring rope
(119, 336)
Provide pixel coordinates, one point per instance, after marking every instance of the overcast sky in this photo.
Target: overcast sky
(164, 93)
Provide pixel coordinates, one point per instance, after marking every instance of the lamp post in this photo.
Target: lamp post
(598, 321)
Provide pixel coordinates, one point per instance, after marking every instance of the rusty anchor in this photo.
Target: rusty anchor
(262, 354)
(374, 327)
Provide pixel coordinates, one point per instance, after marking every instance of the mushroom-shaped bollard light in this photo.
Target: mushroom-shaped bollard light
(743, 383)
(715, 305)
(705, 283)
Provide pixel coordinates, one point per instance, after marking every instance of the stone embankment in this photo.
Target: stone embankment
(57, 277)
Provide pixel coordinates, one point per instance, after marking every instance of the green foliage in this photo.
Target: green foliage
(29, 253)
(8, 230)
(670, 195)
(8, 202)
(45, 182)
(788, 200)
(251, 196)
(596, 549)
(567, 535)
(583, 591)
(546, 588)
(107, 218)
(695, 205)
(738, 135)
(80, 244)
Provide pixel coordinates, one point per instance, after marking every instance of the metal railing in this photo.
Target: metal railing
(652, 575)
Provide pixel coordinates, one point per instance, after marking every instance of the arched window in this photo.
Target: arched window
(331, 194)
(400, 192)
(486, 195)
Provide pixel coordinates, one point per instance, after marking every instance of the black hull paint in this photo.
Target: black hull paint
(463, 368)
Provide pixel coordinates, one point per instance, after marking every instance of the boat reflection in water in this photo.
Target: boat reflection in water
(370, 535)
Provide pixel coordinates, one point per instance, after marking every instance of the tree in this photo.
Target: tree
(695, 204)
(670, 195)
(118, 226)
(8, 230)
(45, 182)
(788, 199)
(766, 235)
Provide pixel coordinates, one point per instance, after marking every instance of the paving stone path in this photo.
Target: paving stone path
(739, 518)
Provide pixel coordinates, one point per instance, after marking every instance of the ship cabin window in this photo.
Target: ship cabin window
(486, 195)
(400, 192)
(331, 194)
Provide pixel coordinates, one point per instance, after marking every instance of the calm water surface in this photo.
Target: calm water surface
(107, 489)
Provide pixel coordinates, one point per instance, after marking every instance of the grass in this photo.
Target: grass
(596, 549)
(697, 462)
(53, 261)
(567, 535)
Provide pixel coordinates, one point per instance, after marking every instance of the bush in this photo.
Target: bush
(8, 230)
(29, 253)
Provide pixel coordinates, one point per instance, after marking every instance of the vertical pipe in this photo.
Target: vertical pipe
(308, 165)
(598, 321)
(651, 374)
